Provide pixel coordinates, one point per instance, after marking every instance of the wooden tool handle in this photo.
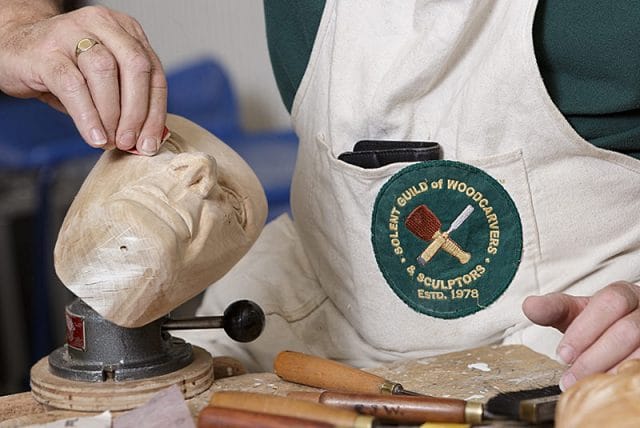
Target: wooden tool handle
(326, 374)
(284, 406)
(397, 408)
(452, 248)
(222, 417)
(433, 248)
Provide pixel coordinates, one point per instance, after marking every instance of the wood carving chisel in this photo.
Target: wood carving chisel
(277, 405)
(400, 408)
(328, 374)
(223, 417)
(303, 409)
(534, 405)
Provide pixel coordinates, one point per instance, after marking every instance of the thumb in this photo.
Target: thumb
(556, 310)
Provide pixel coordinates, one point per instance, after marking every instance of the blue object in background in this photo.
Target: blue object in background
(34, 135)
(201, 91)
(35, 138)
(272, 155)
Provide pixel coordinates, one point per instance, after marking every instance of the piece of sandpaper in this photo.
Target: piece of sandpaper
(167, 408)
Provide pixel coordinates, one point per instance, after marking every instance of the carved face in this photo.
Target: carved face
(145, 234)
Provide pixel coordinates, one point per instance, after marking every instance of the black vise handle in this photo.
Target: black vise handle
(243, 321)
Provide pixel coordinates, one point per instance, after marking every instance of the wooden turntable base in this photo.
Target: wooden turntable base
(67, 394)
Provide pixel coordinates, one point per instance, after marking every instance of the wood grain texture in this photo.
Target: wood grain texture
(146, 234)
(603, 400)
(17, 405)
(326, 374)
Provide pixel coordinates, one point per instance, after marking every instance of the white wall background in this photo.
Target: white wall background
(232, 31)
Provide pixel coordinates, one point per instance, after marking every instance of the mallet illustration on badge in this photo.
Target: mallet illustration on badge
(423, 223)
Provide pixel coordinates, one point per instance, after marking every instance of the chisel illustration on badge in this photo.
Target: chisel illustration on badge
(424, 224)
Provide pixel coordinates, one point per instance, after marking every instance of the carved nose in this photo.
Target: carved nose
(197, 171)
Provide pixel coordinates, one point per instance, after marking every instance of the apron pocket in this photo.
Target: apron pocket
(382, 264)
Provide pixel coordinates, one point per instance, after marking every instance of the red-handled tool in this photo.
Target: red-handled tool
(223, 417)
(400, 408)
(284, 406)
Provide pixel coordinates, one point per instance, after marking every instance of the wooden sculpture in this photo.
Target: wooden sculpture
(145, 234)
(603, 400)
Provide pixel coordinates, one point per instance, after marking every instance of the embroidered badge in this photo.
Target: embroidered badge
(447, 237)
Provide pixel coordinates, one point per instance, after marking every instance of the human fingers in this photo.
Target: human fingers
(65, 80)
(152, 131)
(556, 310)
(621, 342)
(632, 360)
(142, 85)
(605, 333)
(100, 69)
(148, 141)
(123, 79)
(605, 308)
(41, 62)
(54, 102)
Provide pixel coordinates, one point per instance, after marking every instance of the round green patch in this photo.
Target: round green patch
(447, 237)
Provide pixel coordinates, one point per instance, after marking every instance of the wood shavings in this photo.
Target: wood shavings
(483, 367)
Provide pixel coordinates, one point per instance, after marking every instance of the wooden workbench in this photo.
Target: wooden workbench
(476, 374)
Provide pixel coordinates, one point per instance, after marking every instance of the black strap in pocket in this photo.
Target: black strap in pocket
(377, 153)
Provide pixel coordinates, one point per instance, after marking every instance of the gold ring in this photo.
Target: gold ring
(85, 44)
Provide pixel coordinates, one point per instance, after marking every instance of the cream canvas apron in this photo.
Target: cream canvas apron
(351, 277)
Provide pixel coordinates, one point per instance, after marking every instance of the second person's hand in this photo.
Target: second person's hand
(600, 332)
(114, 90)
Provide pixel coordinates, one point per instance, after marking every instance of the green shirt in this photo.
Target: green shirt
(588, 52)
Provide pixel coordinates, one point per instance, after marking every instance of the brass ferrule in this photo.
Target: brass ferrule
(388, 387)
(473, 412)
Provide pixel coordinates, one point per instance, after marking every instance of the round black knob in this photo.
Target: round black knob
(243, 321)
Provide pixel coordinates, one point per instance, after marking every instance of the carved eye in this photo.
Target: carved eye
(171, 146)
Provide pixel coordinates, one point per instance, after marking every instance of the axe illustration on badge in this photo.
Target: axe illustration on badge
(423, 223)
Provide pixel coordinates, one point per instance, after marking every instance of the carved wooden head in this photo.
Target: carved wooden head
(145, 234)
